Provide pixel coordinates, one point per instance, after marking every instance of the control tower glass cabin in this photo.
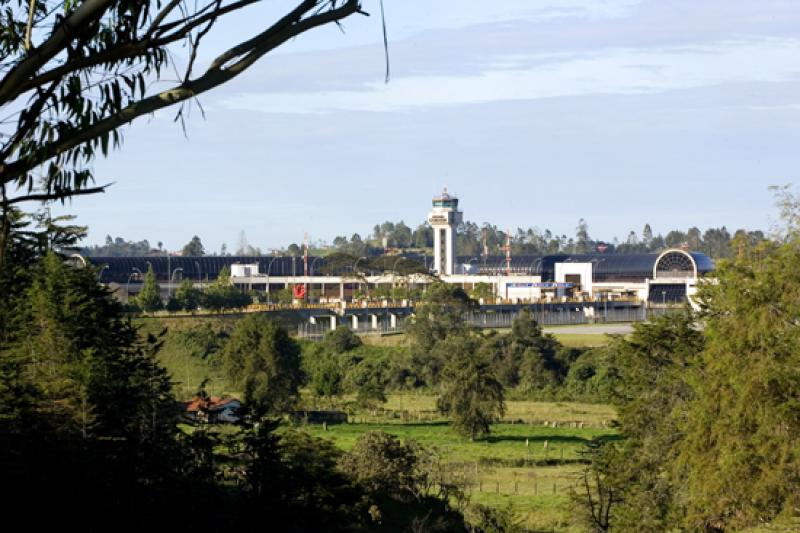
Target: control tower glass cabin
(444, 217)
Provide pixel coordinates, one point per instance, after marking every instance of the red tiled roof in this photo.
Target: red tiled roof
(214, 402)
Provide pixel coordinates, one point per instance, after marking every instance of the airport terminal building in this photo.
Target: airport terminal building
(656, 278)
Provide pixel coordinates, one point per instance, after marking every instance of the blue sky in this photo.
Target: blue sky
(536, 113)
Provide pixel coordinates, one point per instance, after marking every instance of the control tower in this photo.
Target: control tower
(444, 217)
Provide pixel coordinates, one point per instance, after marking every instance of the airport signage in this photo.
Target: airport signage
(439, 219)
(540, 285)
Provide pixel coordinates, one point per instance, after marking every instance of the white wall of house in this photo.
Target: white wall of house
(244, 270)
(584, 270)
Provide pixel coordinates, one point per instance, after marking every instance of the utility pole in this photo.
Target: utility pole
(305, 264)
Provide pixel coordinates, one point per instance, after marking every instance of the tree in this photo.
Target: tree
(341, 340)
(326, 376)
(423, 236)
(694, 239)
(263, 361)
(381, 463)
(717, 242)
(193, 248)
(149, 298)
(526, 356)
(471, 394)
(598, 491)
(86, 410)
(675, 239)
(583, 244)
(441, 315)
(401, 236)
(482, 291)
(742, 427)
(72, 77)
(369, 379)
(222, 294)
(653, 393)
(119, 247)
(187, 296)
(647, 236)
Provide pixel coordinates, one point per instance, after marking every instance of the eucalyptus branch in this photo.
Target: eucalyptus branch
(29, 25)
(59, 194)
(88, 12)
(249, 52)
(196, 44)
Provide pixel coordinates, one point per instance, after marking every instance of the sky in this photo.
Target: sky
(675, 113)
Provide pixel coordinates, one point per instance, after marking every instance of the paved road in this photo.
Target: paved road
(593, 329)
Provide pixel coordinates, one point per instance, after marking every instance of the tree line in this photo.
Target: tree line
(487, 239)
(475, 240)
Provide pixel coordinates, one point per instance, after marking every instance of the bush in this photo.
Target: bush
(341, 340)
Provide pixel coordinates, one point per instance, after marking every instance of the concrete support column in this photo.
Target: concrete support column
(341, 291)
(355, 322)
(374, 321)
(393, 321)
(312, 320)
(333, 322)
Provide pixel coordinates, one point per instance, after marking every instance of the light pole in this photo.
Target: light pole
(394, 276)
(128, 284)
(269, 267)
(169, 285)
(100, 274)
(355, 271)
(464, 274)
(199, 276)
(314, 262)
(664, 298)
(394, 267)
(79, 257)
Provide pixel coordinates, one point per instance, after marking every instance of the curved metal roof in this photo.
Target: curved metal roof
(205, 267)
(608, 267)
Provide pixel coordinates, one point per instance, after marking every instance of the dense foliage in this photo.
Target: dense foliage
(72, 74)
(475, 240)
(88, 415)
(710, 414)
(264, 362)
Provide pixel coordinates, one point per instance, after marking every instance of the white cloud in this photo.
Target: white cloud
(609, 71)
(779, 108)
(443, 15)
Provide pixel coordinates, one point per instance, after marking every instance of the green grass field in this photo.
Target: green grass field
(582, 340)
(187, 372)
(423, 406)
(589, 339)
(530, 466)
(508, 445)
(530, 462)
